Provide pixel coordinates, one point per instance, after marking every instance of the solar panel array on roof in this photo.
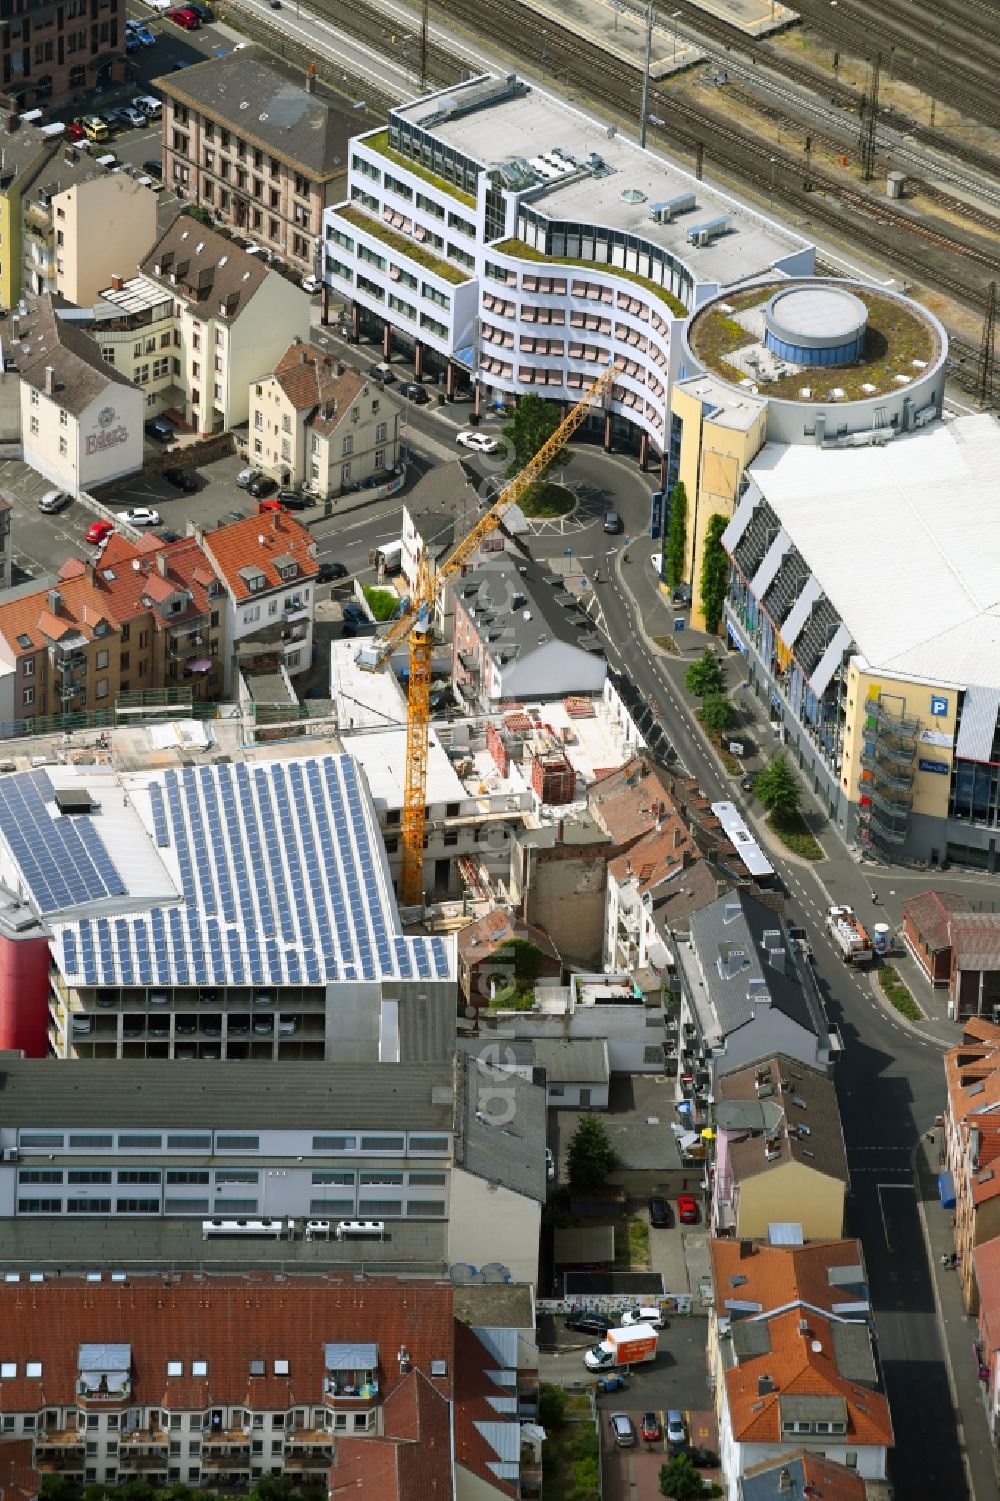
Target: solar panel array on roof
(282, 884)
(61, 857)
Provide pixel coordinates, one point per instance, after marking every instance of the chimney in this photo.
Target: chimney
(765, 1386)
(746, 1249)
(50, 380)
(311, 79)
(687, 857)
(678, 836)
(784, 1482)
(55, 601)
(117, 282)
(161, 564)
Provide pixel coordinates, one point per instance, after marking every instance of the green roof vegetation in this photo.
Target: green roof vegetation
(380, 143)
(529, 253)
(896, 337)
(403, 245)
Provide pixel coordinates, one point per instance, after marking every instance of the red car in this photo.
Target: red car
(650, 1427)
(75, 133)
(97, 531)
(270, 505)
(189, 19)
(687, 1209)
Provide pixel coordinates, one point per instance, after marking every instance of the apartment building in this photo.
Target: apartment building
(793, 1358)
(986, 1348)
(970, 1179)
(515, 242)
(745, 994)
(372, 1386)
(64, 217)
(321, 425)
(780, 1156)
(51, 50)
(267, 565)
(261, 146)
(147, 616)
(81, 419)
(198, 324)
(520, 634)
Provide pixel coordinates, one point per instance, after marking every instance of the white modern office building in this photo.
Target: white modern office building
(514, 240)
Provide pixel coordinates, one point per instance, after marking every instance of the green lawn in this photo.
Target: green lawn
(795, 836)
(380, 143)
(403, 245)
(548, 500)
(899, 994)
(632, 1246)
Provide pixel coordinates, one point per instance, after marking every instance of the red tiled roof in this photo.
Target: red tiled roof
(929, 913)
(412, 1460)
(19, 1480)
(474, 1386)
(230, 548)
(657, 855)
(479, 939)
(625, 802)
(227, 1322)
(987, 1264)
(818, 1478)
(776, 1276)
(797, 1368)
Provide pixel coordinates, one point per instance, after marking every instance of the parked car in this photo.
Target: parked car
(142, 31)
(646, 1314)
(676, 1431)
(354, 619)
(550, 1164)
(232, 516)
(746, 783)
(621, 1427)
(687, 1209)
(311, 284)
(166, 535)
(181, 479)
(659, 1213)
(203, 12)
(612, 1383)
(140, 516)
(185, 18)
(132, 42)
(294, 500)
(239, 1026)
(478, 442)
(82, 1025)
(97, 531)
(160, 429)
(650, 1427)
(702, 1459)
(414, 391)
(53, 501)
(75, 133)
(612, 522)
(329, 573)
(245, 476)
(150, 106)
(588, 1323)
(129, 115)
(261, 485)
(185, 1026)
(94, 128)
(264, 1025)
(287, 1025)
(383, 373)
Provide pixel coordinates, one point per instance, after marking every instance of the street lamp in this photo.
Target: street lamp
(774, 163)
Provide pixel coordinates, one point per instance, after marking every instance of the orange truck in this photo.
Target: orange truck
(622, 1347)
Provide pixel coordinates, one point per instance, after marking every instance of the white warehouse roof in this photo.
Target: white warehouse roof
(904, 541)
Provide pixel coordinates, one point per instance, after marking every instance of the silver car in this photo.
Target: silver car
(54, 500)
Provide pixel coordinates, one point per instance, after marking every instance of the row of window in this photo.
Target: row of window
(223, 1176)
(325, 1208)
(201, 1141)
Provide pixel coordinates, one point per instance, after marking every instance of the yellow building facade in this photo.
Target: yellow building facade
(721, 432)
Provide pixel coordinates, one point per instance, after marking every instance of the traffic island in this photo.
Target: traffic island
(898, 994)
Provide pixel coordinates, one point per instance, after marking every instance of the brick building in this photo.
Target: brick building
(50, 50)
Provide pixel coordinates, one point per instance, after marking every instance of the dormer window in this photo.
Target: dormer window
(175, 1368)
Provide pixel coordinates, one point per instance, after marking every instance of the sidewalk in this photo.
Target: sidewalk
(958, 1329)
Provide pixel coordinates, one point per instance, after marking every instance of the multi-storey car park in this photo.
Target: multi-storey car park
(225, 910)
(509, 238)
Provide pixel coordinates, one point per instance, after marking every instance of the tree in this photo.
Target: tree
(551, 1406)
(532, 424)
(676, 548)
(203, 215)
(705, 677)
(591, 1156)
(58, 1488)
(714, 572)
(680, 1480)
(716, 713)
(778, 789)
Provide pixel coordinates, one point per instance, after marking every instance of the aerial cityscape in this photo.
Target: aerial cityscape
(499, 750)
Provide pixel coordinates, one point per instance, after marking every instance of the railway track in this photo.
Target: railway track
(951, 62)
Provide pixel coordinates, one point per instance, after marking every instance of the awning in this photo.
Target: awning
(946, 1190)
(830, 660)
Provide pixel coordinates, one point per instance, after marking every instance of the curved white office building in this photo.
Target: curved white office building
(508, 238)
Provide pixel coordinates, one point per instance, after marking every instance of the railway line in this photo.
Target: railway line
(947, 60)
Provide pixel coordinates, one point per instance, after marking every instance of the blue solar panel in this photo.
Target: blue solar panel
(95, 849)
(69, 950)
(125, 965)
(159, 815)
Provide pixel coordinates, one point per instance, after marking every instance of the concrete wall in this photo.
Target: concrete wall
(493, 1224)
(110, 427)
(565, 896)
(108, 226)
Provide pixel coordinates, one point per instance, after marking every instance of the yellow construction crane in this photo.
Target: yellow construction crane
(416, 622)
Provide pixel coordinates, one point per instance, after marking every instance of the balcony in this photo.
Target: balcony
(59, 1438)
(143, 1438)
(142, 1464)
(226, 1464)
(119, 1389)
(305, 1438)
(227, 1438)
(340, 1394)
(312, 1463)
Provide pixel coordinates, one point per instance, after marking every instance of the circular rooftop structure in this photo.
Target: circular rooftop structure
(816, 325)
